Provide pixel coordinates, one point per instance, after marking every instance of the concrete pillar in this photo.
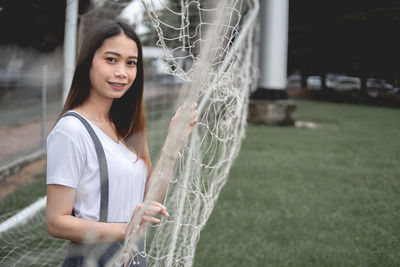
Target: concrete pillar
(274, 21)
(70, 35)
(269, 104)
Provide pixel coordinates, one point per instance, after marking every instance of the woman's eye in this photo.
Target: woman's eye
(111, 59)
(131, 63)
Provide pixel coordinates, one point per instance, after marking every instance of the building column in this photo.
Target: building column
(269, 104)
(274, 38)
(70, 35)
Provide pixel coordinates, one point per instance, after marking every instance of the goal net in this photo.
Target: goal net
(208, 52)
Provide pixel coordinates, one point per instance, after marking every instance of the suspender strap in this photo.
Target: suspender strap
(102, 166)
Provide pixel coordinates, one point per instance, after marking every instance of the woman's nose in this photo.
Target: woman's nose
(120, 72)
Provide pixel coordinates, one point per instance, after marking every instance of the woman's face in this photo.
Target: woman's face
(113, 67)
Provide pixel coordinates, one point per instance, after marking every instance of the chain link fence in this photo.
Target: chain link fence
(29, 102)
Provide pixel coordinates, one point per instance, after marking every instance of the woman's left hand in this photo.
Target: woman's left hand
(147, 212)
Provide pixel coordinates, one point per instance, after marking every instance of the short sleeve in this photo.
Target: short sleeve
(65, 160)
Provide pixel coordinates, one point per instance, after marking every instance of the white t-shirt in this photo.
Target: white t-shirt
(72, 162)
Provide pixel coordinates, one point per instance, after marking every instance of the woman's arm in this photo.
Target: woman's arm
(180, 127)
(157, 183)
(61, 224)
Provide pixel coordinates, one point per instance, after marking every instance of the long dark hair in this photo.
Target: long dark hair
(126, 112)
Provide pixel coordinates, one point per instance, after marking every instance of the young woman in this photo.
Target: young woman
(107, 92)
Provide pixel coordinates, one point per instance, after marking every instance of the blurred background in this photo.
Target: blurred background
(345, 50)
(321, 193)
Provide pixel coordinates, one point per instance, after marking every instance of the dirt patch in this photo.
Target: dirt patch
(26, 174)
(22, 137)
(314, 125)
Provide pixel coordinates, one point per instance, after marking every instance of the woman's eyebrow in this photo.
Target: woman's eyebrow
(118, 54)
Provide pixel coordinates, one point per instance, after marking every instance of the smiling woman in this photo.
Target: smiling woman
(114, 63)
(98, 185)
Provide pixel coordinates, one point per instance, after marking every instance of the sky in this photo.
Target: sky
(134, 13)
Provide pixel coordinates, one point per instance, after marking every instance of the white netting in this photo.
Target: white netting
(31, 245)
(208, 49)
(219, 78)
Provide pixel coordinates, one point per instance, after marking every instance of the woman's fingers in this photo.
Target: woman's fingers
(194, 114)
(164, 212)
(146, 211)
(155, 203)
(194, 119)
(146, 218)
(152, 208)
(163, 209)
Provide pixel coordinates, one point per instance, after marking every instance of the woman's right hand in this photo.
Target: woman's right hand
(184, 120)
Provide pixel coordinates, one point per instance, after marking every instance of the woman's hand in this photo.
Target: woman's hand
(146, 212)
(180, 127)
(151, 209)
(183, 122)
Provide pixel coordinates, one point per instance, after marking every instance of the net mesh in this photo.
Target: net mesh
(219, 79)
(208, 49)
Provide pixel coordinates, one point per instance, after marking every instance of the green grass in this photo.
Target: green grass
(22, 245)
(303, 197)
(23, 195)
(297, 197)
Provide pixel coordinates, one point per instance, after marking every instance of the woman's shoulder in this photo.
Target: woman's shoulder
(70, 126)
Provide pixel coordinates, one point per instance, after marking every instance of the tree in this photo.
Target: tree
(353, 37)
(32, 23)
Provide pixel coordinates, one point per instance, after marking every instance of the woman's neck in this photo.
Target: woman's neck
(96, 108)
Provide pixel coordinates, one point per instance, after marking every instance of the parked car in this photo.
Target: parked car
(346, 83)
(330, 79)
(378, 84)
(395, 90)
(294, 82)
(375, 87)
(314, 82)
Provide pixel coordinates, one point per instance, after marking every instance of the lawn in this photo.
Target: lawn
(312, 197)
(295, 197)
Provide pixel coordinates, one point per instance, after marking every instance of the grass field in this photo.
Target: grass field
(303, 197)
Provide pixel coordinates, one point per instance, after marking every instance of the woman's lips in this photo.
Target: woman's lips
(117, 86)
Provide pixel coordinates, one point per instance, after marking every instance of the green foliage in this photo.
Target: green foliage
(171, 23)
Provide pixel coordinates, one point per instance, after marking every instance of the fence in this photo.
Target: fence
(29, 105)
